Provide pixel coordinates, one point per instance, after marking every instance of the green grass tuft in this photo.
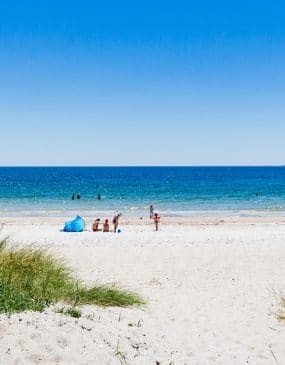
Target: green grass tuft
(12, 300)
(34, 273)
(31, 279)
(70, 311)
(106, 296)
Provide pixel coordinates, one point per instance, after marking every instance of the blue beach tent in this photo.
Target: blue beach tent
(76, 225)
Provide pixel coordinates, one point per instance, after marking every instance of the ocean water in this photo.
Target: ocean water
(174, 191)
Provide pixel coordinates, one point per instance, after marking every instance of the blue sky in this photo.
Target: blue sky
(142, 82)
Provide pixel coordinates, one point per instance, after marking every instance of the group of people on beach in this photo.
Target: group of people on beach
(106, 225)
(115, 221)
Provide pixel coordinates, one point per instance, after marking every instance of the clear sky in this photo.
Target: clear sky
(142, 82)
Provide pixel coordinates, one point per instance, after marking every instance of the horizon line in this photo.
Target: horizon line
(118, 166)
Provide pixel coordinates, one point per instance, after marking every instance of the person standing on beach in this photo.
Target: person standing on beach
(73, 196)
(151, 211)
(78, 196)
(116, 222)
(156, 220)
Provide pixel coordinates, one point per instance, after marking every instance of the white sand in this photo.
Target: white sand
(210, 291)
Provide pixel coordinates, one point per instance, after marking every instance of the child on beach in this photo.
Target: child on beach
(95, 226)
(156, 220)
(106, 226)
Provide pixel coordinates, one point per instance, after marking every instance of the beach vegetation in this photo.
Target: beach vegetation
(281, 310)
(70, 311)
(120, 355)
(138, 324)
(32, 279)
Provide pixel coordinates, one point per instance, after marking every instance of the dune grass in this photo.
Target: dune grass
(281, 310)
(32, 279)
(12, 300)
(70, 311)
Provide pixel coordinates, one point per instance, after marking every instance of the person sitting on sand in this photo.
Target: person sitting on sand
(95, 226)
(106, 226)
(156, 220)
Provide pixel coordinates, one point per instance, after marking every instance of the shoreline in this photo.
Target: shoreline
(134, 220)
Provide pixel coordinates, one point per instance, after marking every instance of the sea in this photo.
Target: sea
(174, 191)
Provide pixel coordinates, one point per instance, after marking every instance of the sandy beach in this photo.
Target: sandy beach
(212, 288)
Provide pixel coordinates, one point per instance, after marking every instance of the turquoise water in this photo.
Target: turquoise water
(175, 191)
